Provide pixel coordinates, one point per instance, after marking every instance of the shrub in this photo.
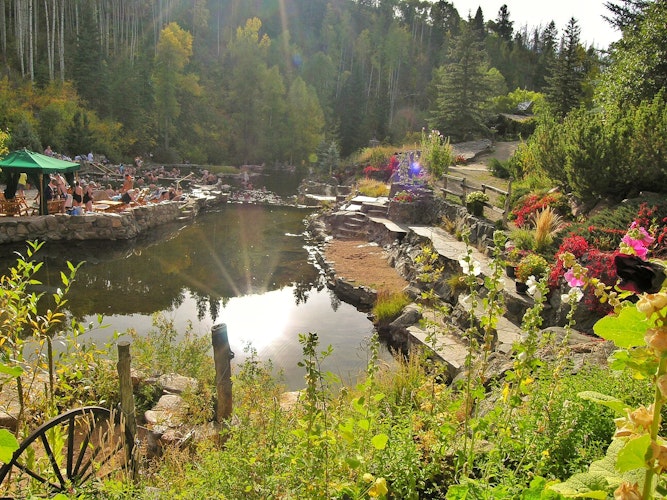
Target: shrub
(523, 239)
(531, 265)
(477, 197)
(403, 197)
(436, 154)
(529, 205)
(499, 168)
(372, 188)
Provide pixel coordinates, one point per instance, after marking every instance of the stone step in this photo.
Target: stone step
(449, 348)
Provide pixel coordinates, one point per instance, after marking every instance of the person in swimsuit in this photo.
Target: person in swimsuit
(77, 194)
(88, 197)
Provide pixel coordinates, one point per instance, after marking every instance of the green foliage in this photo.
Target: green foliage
(372, 187)
(499, 168)
(531, 265)
(523, 239)
(637, 71)
(600, 154)
(163, 349)
(389, 306)
(509, 103)
(436, 154)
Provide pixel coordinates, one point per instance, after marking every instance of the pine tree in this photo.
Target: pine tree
(462, 88)
(564, 89)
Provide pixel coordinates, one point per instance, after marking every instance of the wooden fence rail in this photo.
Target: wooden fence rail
(461, 187)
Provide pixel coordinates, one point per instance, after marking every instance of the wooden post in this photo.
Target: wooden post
(127, 401)
(507, 201)
(222, 356)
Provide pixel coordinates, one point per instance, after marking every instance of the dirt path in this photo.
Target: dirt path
(365, 263)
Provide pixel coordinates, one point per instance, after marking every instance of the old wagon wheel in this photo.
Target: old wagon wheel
(74, 448)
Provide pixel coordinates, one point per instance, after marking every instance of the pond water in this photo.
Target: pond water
(247, 266)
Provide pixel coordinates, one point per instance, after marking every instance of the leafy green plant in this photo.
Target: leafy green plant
(477, 197)
(531, 265)
(437, 153)
(389, 306)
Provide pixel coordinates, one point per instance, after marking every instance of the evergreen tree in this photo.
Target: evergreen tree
(627, 13)
(90, 69)
(79, 138)
(638, 69)
(23, 135)
(564, 82)
(502, 26)
(462, 89)
(546, 49)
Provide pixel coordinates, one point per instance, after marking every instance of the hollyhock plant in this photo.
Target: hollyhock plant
(637, 241)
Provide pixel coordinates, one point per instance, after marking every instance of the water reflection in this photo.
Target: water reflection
(246, 266)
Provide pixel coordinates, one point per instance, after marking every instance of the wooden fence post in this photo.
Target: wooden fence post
(127, 402)
(222, 356)
(507, 201)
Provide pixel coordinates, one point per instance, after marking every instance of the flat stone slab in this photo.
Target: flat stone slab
(390, 225)
(369, 199)
(174, 383)
(447, 347)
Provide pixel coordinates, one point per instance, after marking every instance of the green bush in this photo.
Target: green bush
(499, 168)
(531, 265)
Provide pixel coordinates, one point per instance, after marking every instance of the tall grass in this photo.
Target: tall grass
(547, 224)
(389, 306)
(372, 188)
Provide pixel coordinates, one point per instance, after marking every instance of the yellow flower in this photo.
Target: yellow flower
(379, 489)
(627, 491)
(506, 392)
(368, 478)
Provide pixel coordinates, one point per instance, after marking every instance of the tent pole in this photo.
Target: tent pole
(42, 207)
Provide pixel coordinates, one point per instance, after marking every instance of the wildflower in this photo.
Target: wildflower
(573, 295)
(572, 279)
(627, 491)
(638, 275)
(631, 246)
(470, 267)
(368, 478)
(379, 488)
(533, 288)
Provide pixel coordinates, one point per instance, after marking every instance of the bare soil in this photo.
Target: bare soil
(364, 263)
(367, 264)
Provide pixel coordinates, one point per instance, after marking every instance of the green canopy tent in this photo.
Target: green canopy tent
(35, 165)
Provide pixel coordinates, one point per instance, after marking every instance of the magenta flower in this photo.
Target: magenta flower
(633, 246)
(573, 280)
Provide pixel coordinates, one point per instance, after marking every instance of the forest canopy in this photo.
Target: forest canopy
(237, 82)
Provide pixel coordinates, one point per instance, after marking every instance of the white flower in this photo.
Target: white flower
(469, 266)
(573, 295)
(533, 288)
(465, 302)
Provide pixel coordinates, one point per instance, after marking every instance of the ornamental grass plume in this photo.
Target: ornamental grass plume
(547, 224)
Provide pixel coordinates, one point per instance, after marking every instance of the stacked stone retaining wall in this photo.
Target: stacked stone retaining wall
(97, 225)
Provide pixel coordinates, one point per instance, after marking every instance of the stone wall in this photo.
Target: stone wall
(92, 226)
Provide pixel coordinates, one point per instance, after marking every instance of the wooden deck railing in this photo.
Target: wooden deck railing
(461, 187)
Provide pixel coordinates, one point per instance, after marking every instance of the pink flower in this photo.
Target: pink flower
(573, 280)
(633, 246)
